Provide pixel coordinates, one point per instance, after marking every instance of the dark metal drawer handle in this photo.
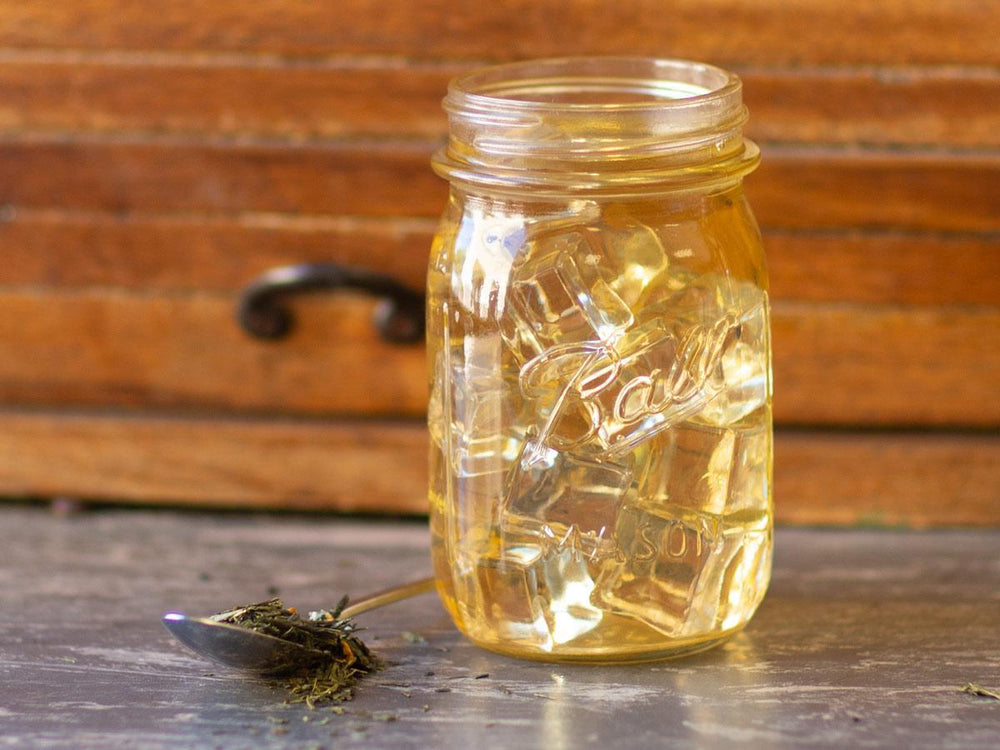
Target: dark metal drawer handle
(264, 314)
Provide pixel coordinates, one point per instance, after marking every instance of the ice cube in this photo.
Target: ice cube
(530, 595)
(746, 374)
(750, 476)
(605, 398)
(487, 244)
(567, 593)
(435, 403)
(634, 252)
(729, 588)
(485, 248)
(500, 596)
(561, 415)
(560, 293)
(741, 370)
(480, 409)
(564, 500)
(687, 466)
(658, 376)
(688, 256)
(706, 469)
(746, 578)
(659, 566)
(684, 573)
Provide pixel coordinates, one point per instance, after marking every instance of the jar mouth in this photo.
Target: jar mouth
(602, 84)
(587, 124)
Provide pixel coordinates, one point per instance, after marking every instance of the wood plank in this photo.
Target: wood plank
(728, 31)
(270, 98)
(185, 252)
(795, 188)
(833, 364)
(919, 480)
(825, 188)
(223, 253)
(906, 366)
(945, 106)
(372, 178)
(883, 268)
(278, 98)
(863, 635)
(301, 465)
(112, 347)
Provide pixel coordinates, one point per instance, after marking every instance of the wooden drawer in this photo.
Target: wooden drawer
(153, 161)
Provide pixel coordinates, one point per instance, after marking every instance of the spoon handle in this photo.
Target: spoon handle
(388, 596)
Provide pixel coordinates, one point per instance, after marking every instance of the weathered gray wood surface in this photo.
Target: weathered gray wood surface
(863, 641)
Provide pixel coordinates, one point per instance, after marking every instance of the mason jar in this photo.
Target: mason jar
(599, 356)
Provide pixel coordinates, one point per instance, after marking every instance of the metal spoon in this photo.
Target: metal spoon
(246, 649)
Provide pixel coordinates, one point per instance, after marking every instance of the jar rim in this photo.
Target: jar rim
(596, 124)
(642, 83)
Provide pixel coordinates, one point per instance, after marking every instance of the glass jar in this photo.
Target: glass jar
(599, 355)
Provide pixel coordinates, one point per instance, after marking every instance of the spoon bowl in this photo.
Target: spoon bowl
(264, 654)
(237, 646)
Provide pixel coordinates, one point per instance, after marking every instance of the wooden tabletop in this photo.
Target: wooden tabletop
(864, 640)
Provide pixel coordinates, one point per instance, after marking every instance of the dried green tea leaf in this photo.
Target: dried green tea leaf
(342, 656)
(974, 689)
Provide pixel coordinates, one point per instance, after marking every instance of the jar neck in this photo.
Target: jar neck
(606, 126)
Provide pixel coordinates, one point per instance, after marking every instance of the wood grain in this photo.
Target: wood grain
(842, 364)
(918, 480)
(841, 479)
(794, 188)
(345, 466)
(223, 253)
(112, 347)
(884, 268)
(820, 188)
(269, 98)
(154, 158)
(833, 364)
(725, 31)
(150, 93)
(939, 107)
(117, 174)
(187, 252)
(850, 616)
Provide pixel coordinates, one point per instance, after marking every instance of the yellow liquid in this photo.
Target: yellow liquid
(600, 424)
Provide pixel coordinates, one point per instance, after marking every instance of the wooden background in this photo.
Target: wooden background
(155, 157)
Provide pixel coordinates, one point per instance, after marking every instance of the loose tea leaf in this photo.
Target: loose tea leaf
(974, 689)
(341, 657)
